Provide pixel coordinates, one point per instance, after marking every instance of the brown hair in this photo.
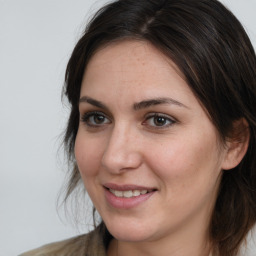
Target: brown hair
(212, 50)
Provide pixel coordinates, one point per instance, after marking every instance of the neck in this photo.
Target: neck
(190, 239)
(148, 249)
(174, 247)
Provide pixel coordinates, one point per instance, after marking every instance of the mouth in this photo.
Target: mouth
(130, 193)
(127, 196)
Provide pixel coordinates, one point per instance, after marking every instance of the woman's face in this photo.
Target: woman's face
(149, 156)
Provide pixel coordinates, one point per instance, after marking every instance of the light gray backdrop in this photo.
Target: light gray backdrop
(36, 39)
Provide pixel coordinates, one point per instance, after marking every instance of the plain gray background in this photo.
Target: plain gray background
(36, 40)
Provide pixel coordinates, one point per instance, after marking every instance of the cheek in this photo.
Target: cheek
(184, 164)
(88, 156)
(189, 176)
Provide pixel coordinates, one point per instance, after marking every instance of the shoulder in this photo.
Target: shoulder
(66, 247)
(88, 244)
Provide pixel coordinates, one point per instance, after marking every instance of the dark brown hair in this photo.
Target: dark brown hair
(214, 53)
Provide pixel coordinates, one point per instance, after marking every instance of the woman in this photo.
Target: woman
(162, 130)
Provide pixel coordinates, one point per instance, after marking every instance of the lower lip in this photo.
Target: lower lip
(126, 203)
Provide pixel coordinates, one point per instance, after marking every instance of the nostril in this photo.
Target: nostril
(120, 161)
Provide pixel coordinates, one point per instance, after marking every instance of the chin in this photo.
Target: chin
(129, 237)
(129, 233)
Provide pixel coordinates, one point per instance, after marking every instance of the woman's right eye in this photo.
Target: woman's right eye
(95, 119)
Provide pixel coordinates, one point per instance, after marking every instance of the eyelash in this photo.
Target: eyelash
(152, 116)
(165, 118)
(86, 118)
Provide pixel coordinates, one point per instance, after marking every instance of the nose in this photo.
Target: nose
(122, 151)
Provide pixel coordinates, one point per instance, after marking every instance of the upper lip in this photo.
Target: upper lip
(126, 187)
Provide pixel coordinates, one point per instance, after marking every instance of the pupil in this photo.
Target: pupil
(160, 121)
(98, 119)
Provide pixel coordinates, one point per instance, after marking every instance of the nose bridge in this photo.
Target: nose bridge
(121, 152)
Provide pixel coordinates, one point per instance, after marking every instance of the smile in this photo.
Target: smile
(127, 196)
(129, 193)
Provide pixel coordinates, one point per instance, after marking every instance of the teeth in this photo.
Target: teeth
(128, 193)
(136, 193)
(118, 193)
(143, 192)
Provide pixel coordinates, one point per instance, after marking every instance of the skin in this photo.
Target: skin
(181, 156)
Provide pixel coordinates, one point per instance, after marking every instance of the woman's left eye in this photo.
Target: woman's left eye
(159, 121)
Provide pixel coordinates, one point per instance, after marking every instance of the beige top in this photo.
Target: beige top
(91, 244)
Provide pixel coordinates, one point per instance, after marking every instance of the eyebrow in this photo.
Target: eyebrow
(136, 106)
(158, 101)
(93, 102)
